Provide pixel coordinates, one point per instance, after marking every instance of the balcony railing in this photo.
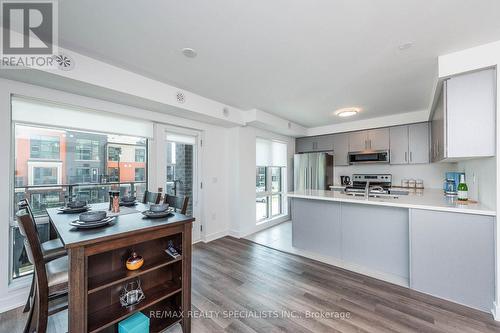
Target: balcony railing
(42, 197)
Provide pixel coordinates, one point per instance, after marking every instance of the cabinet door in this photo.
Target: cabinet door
(399, 144)
(452, 256)
(418, 142)
(340, 149)
(303, 145)
(378, 139)
(324, 143)
(438, 128)
(358, 141)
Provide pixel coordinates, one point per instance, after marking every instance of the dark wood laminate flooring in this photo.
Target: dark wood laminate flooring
(240, 286)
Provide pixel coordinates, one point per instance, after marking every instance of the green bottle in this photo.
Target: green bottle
(462, 189)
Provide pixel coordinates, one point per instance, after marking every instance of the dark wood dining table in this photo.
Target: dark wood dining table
(128, 228)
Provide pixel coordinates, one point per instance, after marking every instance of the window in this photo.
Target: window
(44, 147)
(140, 174)
(269, 179)
(114, 154)
(113, 174)
(87, 150)
(66, 154)
(140, 155)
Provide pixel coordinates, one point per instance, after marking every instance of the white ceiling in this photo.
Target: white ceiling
(298, 59)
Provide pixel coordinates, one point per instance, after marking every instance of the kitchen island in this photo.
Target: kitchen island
(423, 240)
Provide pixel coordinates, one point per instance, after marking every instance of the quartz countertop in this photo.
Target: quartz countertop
(429, 199)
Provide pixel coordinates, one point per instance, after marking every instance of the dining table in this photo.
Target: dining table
(98, 276)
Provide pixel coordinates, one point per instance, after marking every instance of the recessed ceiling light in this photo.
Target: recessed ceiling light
(405, 46)
(189, 52)
(347, 112)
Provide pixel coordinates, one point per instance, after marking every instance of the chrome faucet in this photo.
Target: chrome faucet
(367, 189)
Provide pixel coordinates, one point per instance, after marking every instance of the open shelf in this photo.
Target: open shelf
(103, 281)
(113, 313)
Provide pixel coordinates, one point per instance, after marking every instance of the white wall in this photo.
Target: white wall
(432, 174)
(215, 214)
(241, 152)
(481, 179)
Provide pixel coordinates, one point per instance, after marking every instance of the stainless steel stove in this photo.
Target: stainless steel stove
(377, 182)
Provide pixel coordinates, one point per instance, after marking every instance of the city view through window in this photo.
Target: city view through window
(54, 165)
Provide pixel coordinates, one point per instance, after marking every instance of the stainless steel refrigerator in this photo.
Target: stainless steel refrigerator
(313, 171)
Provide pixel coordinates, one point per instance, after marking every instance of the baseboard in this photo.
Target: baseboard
(496, 311)
(234, 233)
(214, 236)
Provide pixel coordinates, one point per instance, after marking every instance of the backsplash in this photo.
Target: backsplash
(480, 175)
(432, 174)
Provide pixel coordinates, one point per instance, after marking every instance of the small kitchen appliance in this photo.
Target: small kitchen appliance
(345, 180)
(451, 181)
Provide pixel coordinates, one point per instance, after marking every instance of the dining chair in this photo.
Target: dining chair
(177, 202)
(51, 249)
(51, 278)
(151, 197)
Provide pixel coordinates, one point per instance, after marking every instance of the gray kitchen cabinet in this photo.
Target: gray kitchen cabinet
(324, 143)
(340, 149)
(418, 143)
(378, 139)
(316, 226)
(375, 139)
(376, 237)
(399, 144)
(314, 144)
(409, 144)
(452, 256)
(463, 119)
(358, 141)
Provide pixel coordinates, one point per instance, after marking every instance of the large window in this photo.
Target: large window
(87, 150)
(44, 147)
(53, 164)
(270, 178)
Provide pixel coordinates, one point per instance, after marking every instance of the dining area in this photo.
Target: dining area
(112, 266)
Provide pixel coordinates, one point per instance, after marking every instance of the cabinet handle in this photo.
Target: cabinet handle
(370, 141)
(406, 156)
(411, 156)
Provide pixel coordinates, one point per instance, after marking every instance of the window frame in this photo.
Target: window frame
(269, 193)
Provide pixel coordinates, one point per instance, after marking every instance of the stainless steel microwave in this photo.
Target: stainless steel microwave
(367, 157)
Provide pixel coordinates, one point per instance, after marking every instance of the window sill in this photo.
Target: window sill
(272, 219)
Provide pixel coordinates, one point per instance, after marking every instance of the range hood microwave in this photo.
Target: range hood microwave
(368, 157)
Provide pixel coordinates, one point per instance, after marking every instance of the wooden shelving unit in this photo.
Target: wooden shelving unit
(163, 279)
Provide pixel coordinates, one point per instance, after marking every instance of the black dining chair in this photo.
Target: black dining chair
(177, 202)
(151, 197)
(51, 249)
(51, 278)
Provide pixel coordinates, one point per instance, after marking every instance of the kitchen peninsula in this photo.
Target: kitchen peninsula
(423, 240)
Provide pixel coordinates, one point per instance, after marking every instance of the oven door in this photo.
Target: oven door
(369, 157)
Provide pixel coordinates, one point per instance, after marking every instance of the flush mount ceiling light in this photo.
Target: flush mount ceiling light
(347, 112)
(189, 52)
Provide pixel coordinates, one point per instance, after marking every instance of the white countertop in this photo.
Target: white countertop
(430, 199)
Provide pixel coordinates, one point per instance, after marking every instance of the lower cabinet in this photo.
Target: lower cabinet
(452, 256)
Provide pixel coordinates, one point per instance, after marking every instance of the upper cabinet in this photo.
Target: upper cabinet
(409, 144)
(314, 144)
(463, 121)
(376, 139)
(340, 149)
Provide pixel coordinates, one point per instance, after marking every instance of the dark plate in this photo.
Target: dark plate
(91, 225)
(93, 216)
(67, 210)
(158, 215)
(128, 204)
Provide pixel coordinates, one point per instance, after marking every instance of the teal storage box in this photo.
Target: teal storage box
(136, 323)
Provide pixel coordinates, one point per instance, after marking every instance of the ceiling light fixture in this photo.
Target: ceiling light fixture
(189, 52)
(347, 112)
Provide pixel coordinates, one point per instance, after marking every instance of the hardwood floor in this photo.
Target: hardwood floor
(240, 286)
